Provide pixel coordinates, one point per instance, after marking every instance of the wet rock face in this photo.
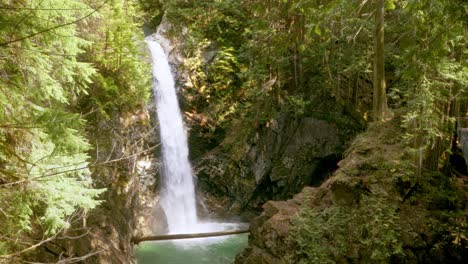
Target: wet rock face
(150, 217)
(281, 160)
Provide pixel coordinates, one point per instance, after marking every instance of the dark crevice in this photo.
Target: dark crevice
(269, 190)
(457, 163)
(325, 168)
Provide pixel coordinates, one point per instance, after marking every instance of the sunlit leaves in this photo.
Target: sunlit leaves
(44, 175)
(123, 80)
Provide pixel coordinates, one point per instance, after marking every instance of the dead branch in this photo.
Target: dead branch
(70, 259)
(52, 28)
(77, 169)
(137, 240)
(28, 248)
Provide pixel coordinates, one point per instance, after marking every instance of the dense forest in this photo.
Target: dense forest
(75, 79)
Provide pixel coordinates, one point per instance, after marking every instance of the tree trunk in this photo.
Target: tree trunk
(380, 96)
(138, 240)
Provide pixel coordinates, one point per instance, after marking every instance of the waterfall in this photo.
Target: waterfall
(178, 191)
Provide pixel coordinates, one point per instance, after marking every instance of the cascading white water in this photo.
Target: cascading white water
(178, 193)
(178, 190)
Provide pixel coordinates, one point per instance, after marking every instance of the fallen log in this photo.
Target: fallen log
(137, 240)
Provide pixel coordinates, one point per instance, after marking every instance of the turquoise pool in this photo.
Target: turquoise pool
(192, 251)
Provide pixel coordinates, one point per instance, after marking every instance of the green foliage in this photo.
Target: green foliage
(211, 44)
(432, 73)
(369, 233)
(247, 61)
(295, 105)
(41, 76)
(152, 13)
(122, 83)
(314, 58)
(256, 59)
(321, 53)
(46, 79)
(61, 185)
(445, 200)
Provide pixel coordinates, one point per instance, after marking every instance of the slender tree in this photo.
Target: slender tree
(380, 96)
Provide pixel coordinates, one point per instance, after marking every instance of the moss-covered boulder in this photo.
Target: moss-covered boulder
(372, 210)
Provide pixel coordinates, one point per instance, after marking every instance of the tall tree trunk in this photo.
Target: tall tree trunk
(380, 96)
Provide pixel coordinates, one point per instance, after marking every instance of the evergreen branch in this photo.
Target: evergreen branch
(12, 126)
(25, 17)
(445, 30)
(47, 53)
(43, 9)
(76, 169)
(43, 176)
(55, 27)
(95, 164)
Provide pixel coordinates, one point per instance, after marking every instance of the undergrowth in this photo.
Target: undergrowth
(368, 232)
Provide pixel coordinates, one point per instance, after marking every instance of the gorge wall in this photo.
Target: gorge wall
(277, 162)
(369, 211)
(125, 167)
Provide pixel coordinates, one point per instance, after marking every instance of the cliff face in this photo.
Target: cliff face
(278, 162)
(130, 184)
(370, 211)
(124, 148)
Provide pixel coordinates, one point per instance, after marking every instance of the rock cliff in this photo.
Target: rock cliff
(371, 210)
(279, 161)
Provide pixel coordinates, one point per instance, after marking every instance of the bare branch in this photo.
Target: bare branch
(77, 169)
(42, 9)
(71, 259)
(52, 28)
(28, 249)
(79, 259)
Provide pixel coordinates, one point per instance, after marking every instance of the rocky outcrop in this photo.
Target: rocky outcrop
(371, 210)
(269, 237)
(280, 160)
(129, 181)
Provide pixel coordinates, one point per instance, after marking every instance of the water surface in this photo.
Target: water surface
(192, 251)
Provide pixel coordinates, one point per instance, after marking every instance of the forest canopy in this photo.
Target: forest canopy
(319, 57)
